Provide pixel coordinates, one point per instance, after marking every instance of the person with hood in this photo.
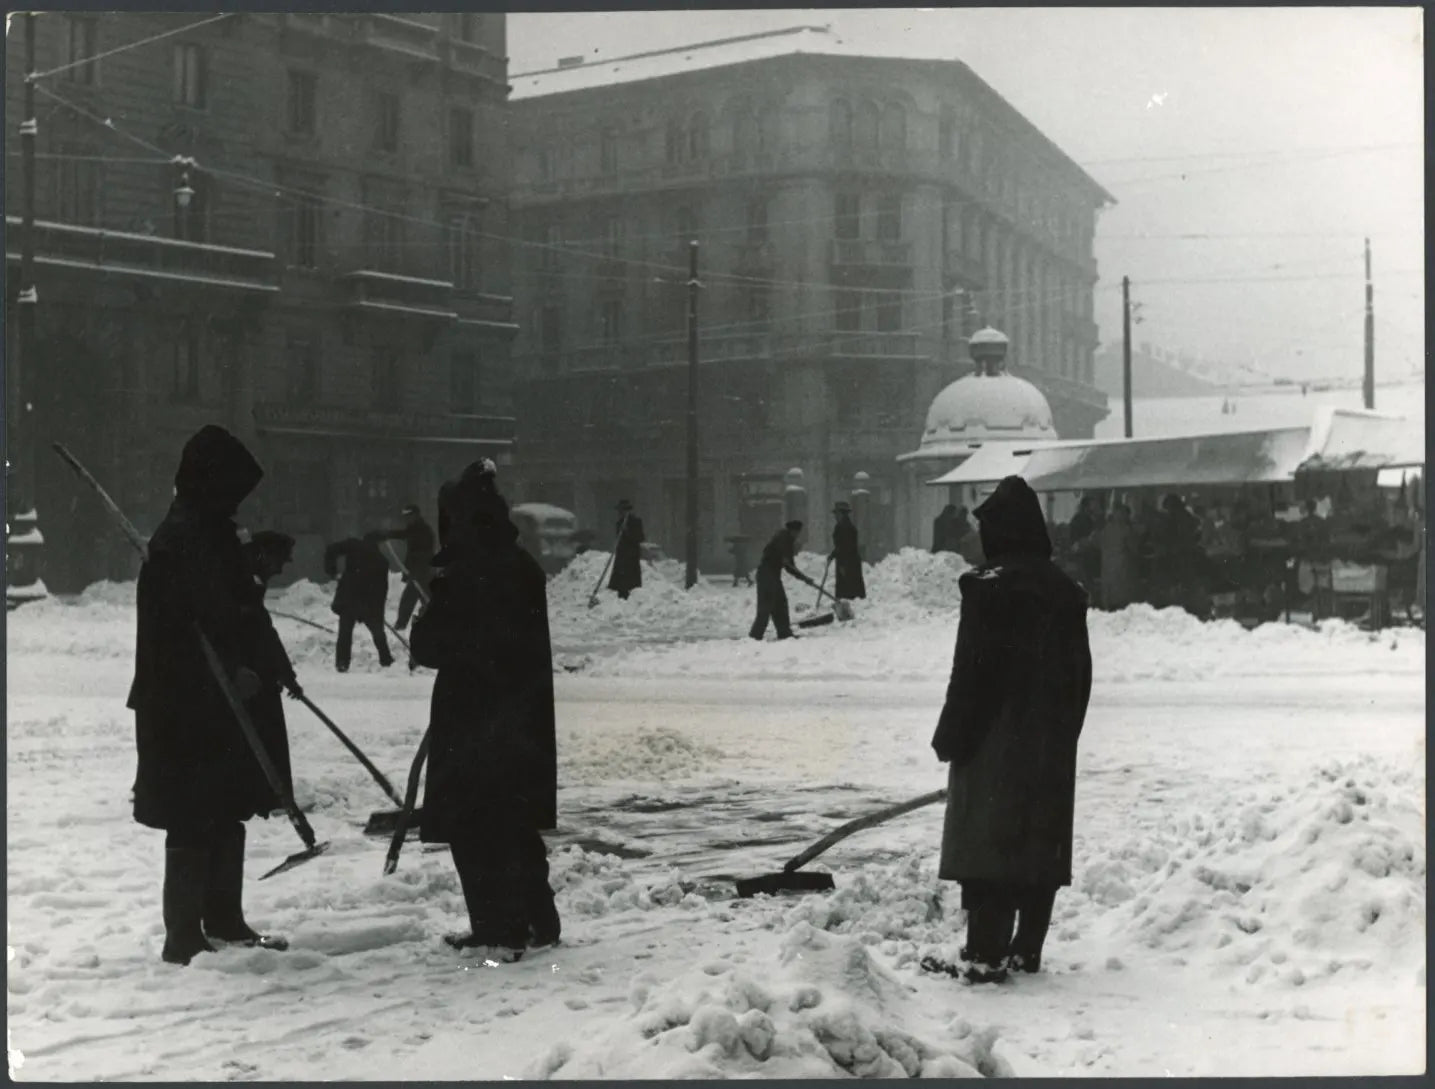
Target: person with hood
(627, 573)
(1021, 678)
(492, 774)
(361, 594)
(1117, 542)
(848, 583)
(197, 778)
(417, 536)
(779, 555)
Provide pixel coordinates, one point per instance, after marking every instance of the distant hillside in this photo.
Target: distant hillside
(1150, 377)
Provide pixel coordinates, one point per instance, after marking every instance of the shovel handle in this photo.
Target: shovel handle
(843, 831)
(379, 777)
(411, 795)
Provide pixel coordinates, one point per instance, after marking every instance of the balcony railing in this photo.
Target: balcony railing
(399, 35)
(370, 289)
(286, 418)
(871, 252)
(124, 253)
(472, 59)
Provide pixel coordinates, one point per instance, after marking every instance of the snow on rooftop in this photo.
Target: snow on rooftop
(601, 72)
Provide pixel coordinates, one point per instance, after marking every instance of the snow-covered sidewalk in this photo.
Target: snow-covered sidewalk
(1248, 897)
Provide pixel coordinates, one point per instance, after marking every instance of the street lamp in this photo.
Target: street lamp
(183, 195)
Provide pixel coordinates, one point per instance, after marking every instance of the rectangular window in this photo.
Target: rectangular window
(889, 313)
(610, 321)
(184, 384)
(460, 137)
(889, 218)
(463, 383)
(849, 212)
(386, 122)
(301, 363)
(463, 250)
(81, 42)
(848, 317)
(191, 76)
(307, 223)
(302, 98)
(608, 152)
(384, 227)
(757, 221)
(387, 388)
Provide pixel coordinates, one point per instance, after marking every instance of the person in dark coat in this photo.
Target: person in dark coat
(197, 778)
(1021, 678)
(627, 573)
(944, 529)
(849, 583)
(492, 774)
(417, 536)
(363, 589)
(779, 555)
(268, 552)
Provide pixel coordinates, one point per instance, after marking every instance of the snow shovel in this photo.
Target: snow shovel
(301, 620)
(825, 618)
(791, 878)
(216, 667)
(598, 586)
(379, 777)
(843, 609)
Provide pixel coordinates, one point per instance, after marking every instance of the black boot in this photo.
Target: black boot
(544, 926)
(224, 895)
(186, 870)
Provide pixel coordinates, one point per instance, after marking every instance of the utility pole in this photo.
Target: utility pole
(692, 534)
(1369, 384)
(1126, 349)
(24, 386)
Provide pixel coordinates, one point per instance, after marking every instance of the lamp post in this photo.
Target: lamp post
(183, 195)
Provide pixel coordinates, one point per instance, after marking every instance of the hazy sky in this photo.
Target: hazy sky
(1284, 135)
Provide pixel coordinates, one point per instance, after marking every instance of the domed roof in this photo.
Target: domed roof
(988, 406)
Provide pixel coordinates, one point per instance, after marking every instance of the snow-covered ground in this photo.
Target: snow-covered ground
(1249, 893)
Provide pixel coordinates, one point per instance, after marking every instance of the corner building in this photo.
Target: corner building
(858, 218)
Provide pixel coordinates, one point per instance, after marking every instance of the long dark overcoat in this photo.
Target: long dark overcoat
(1021, 678)
(364, 585)
(491, 719)
(627, 568)
(847, 559)
(194, 764)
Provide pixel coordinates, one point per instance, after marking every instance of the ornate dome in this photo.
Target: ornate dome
(987, 406)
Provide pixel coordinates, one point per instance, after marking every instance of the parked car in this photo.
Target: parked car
(548, 533)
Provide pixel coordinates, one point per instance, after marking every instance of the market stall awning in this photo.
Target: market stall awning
(1344, 440)
(991, 462)
(1251, 457)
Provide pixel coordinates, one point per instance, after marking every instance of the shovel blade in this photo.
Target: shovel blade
(816, 621)
(298, 859)
(386, 821)
(784, 881)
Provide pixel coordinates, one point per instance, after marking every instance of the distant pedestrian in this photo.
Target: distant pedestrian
(944, 529)
(627, 573)
(1021, 678)
(492, 776)
(197, 778)
(1118, 545)
(363, 589)
(847, 556)
(778, 556)
(418, 540)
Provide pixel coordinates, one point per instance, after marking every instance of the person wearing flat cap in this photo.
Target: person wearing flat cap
(847, 556)
(779, 555)
(417, 536)
(627, 552)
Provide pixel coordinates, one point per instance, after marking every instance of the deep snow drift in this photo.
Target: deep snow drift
(1248, 895)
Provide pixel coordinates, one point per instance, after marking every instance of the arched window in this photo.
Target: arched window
(698, 138)
(864, 129)
(745, 135)
(894, 130)
(841, 128)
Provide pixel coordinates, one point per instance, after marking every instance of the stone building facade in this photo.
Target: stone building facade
(857, 217)
(333, 286)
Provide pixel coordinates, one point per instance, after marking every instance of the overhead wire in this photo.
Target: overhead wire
(37, 76)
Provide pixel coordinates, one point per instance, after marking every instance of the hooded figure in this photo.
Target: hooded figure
(1021, 677)
(360, 596)
(197, 777)
(417, 536)
(627, 573)
(847, 555)
(492, 772)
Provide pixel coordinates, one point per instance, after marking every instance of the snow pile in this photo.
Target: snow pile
(824, 1009)
(590, 884)
(649, 754)
(1320, 877)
